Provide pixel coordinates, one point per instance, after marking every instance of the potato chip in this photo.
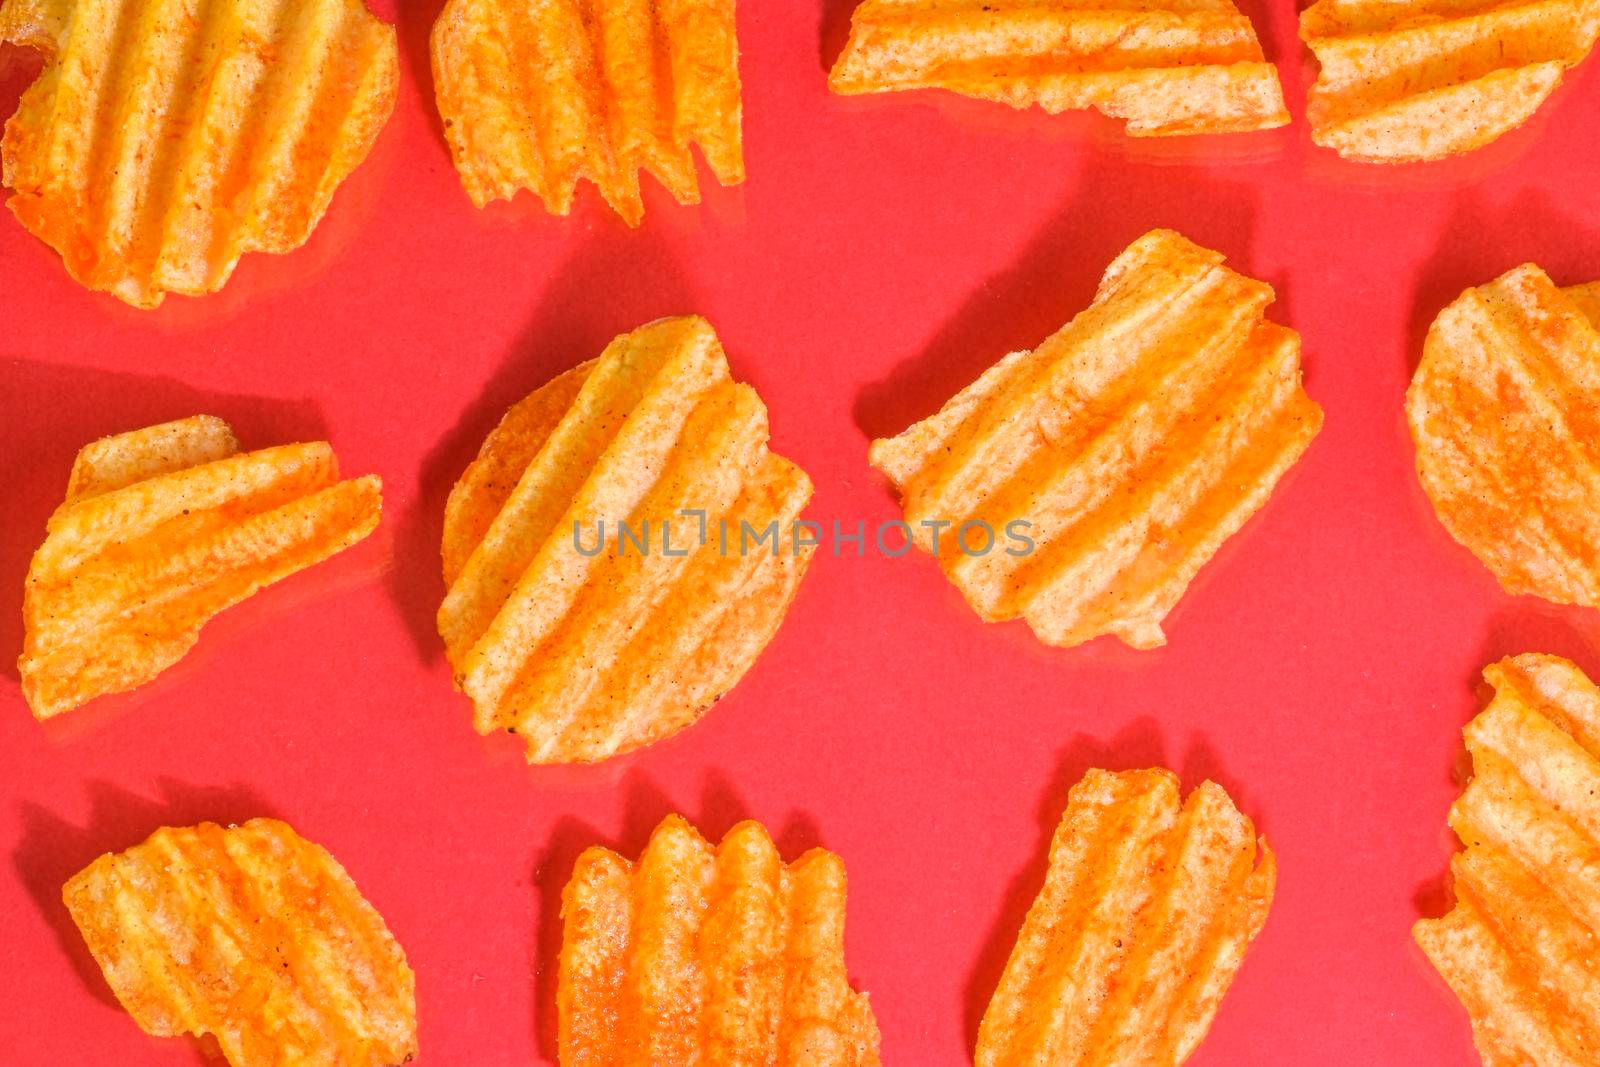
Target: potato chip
(1082, 485)
(537, 95)
(166, 138)
(1405, 81)
(1519, 946)
(1505, 412)
(1144, 918)
(1164, 66)
(162, 529)
(621, 550)
(254, 936)
(715, 956)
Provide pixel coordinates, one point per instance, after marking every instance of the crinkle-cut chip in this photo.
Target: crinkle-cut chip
(1406, 81)
(540, 94)
(610, 555)
(1505, 413)
(1164, 66)
(702, 955)
(254, 936)
(1520, 946)
(166, 138)
(162, 529)
(1145, 915)
(1134, 441)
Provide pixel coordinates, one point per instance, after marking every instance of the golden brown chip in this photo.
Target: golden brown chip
(538, 95)
(1415, 80)
(166, 138)
(621, 550)
(702, 955)
(1132, 443)
(1520, 945)
(1165, 66)
(1145, 915)
(1505, 413)
(254, 936)
(162, 529)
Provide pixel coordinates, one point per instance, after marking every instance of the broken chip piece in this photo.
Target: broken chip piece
(1166, 66)
(1147, 910)
(251, 935)
(1517, 947)
(621, 550)
(537, 96)
(1128, 446)
(702, 955)
(1417, 80)
(162, 529)
(1505, 413)
(166, 138)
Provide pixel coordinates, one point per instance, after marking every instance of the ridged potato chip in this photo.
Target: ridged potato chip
(714, 956)
(254, 936)
(1505, 413)
(162, 529)
(166, 138)
(1164, 66)
(538, 95)
(1146, 913)
(1133, 442)
(1519, 946)
(1416, 80)
(587, 639)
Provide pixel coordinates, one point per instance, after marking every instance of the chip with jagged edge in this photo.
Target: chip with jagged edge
(1504, 410)
(253, 936)
(621, 550)
(538, 95)
(1165, 67)
(696, 954)
(167, 138)
(1518, 946)
(1082, 485)
(1406, 81)
(162, 529)
(1146, 912)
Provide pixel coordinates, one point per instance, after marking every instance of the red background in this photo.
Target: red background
(883, 251)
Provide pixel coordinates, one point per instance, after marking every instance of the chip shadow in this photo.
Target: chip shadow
(1056, 276)
(53, 411)
(51, 850)
(640, 281)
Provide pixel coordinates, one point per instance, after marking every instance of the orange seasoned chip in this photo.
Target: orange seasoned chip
(621, 550)
(1404, 81)
(166, 138)
(1145, 915)
(702, 955)
(1519, 944)
(254, 936)
(538, 95)
(1082, 485)
(162, 529)
(1505, 412)
(1164, 66)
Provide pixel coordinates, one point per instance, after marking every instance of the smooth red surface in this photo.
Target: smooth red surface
(883, 251)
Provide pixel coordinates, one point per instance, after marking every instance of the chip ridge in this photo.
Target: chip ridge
(588, 648)
(1518, 945)
(1134, 441)
(695, 954)
(1164, 66)
(1426, 79)
(167, 138)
